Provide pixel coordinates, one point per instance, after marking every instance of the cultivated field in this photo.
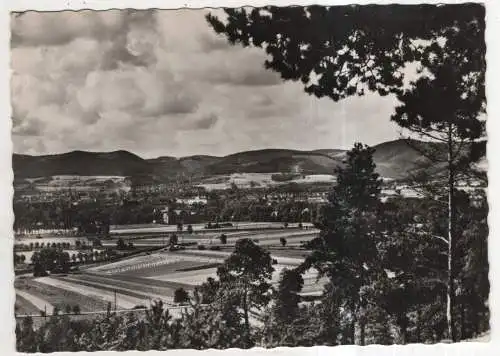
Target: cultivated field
(248, 180)
(138, 280)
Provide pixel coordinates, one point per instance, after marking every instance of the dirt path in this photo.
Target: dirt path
(40, 303)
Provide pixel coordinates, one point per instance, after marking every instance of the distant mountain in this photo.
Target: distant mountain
(330, 152)
(117, 163)
(274, 160)
(395, 159)
(400, 158)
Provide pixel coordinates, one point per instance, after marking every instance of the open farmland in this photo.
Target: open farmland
(138, 280)
(24, 307)
(263, 237)
(262, 180)
(158, 228)
(60, 297)
(125, 301)
(159, 261)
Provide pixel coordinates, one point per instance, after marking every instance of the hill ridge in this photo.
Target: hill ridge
(394, 159)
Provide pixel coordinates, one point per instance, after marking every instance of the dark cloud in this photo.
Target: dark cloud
(205, 123)
(33, 28)
(119, 54)
(112, 26)
(27, 128)
(181, 106)
(177, 105)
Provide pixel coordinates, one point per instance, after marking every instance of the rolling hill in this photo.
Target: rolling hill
(117, 163)
(394, 159)
(274, 160)
(400, 158)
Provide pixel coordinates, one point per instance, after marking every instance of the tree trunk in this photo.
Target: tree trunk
(247, 321)
(351, 336)
(418, 328)
(403, 327)
(463, 332)
(362, 328)
(450, 297)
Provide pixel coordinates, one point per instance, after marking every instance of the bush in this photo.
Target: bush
(120, 244)
(215, 248)
(39, 271)
(76, 309)
(275, 261)
(181, 296)
(201, 247)
(283, 241)
(223, 239)
(174, 240)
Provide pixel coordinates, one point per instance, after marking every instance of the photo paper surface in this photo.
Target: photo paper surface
(249, 177)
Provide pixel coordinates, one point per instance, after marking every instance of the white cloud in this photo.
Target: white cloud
(163, 83)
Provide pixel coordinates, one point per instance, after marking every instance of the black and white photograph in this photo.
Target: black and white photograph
(274, 176)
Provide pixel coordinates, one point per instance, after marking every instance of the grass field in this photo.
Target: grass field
(61, 297)
(138, 280)
(125, 301)
(24, 307)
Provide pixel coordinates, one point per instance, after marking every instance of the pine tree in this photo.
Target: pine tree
(455, 130)
(346, 249)
(287, 298)
(244, 276)
(342, 51)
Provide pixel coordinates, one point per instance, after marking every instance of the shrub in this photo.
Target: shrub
(120, 244)
(76, 309)
(181, 296)
(201, 247)
(223, 239)
(215, 248)
(174, 240)
(283, 241)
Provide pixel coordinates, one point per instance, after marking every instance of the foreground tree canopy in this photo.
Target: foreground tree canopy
(339, 51)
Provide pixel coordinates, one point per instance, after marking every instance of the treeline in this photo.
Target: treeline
(54, 259)
(96, 217)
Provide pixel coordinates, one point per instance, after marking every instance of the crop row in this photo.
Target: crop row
(60, 297)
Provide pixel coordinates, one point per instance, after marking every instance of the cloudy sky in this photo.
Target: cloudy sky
(162, 83)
